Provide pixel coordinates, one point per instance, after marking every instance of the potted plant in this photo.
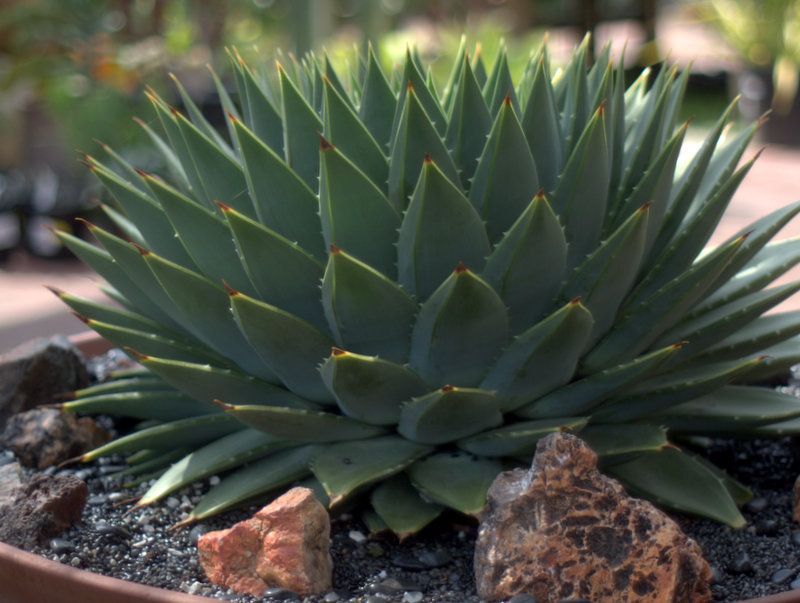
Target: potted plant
(497, 263)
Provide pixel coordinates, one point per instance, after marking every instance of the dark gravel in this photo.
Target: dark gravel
(434, 566)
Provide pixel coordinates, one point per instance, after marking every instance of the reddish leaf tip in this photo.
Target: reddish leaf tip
(54, 290)
(334, 249)
(224, 207)
(222, 405)
(575, 300)
(410, 86)
(507, 100)
(81, 317)
(679, 344)
(427, 160)
(86, 223)
(462, 267)
(645, 207)
(324, 144)
(229, 290)
(539, 196)
(142, 251)
(447, 388)
(138, 355)
(337, 351)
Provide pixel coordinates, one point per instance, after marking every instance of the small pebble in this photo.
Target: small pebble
(782, 576)
(757, 504)
(117, 496)
(741, 565)
(280, 594)
(96, 499)
(60, 546)
(196, 532)
(521, 599)
(795, 584)
(75, 562)
(409, 562)
(767, 527)
(357, 536)
(437, 558)
(213, 480)
(173, 503)
(106, 529)
(331, 598)
(412, 597)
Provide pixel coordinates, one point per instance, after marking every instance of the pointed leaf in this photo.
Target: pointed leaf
(283, 202)
(301, 425)
(345, 467)
(369, 388)
(505, 180)
(520, 438)
(401, 507)
(448, 414)
(439, 230)
(290, 346)
(456, 480)
(349, 201)
(366, 312)
(527, 284)
(541, 359)
(301, 128)
(675, 480)
(283, 274)
(458, 331)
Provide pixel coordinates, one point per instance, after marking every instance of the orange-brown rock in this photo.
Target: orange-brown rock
(563, 530)
(286, 544)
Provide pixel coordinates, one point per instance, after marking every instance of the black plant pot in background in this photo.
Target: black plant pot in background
(756, 89)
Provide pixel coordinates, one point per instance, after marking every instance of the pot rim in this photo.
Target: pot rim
(28, 577)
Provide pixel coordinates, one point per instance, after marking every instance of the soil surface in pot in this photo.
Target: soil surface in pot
(435, 565)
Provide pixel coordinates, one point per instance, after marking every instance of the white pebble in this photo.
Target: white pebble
(116, 496)
(75, 562)
(140, 543)
(357, 536)
(412, 597)
(148, 529)
(194, 588)
(173, 503)
(382, 574)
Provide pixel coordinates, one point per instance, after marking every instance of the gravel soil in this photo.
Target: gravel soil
(433, 566)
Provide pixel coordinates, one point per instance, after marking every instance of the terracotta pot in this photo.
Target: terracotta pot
(29, 578)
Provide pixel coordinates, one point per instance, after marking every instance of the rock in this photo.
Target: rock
(43, 508)
(10, 483)
(35, 372)
(43, 437)
(284, 545)
(562, 530)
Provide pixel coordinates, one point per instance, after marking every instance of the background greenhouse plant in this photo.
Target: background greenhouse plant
(381, 284)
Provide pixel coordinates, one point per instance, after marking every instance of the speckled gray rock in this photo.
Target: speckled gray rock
(45, 436)
(34, 372)
(562, 530)
(10, 484)
(44, 507)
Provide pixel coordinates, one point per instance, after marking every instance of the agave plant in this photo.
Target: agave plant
(381, 285)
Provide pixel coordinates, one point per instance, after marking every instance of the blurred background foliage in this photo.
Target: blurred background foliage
(73, 70)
